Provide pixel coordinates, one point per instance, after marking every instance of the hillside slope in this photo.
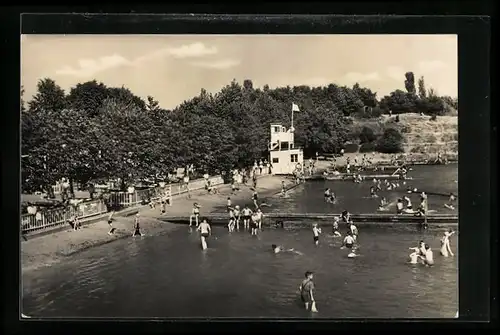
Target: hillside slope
(421, 134)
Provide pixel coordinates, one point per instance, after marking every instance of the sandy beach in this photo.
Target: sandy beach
(53, 248)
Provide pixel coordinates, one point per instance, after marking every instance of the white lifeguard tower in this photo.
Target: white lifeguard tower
(284, 156)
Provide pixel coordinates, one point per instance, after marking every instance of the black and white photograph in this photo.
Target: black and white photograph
(239, 176)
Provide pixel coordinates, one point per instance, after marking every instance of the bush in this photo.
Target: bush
(367, 135)
(368, 147)
(351, 148)
(390, 142)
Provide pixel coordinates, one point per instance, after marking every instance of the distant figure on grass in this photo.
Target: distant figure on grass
(206, 231)
(246, 214)
(306, 290)
(316, 231)
(195, 214)
(137, 227)
(445, 243)
(110, 223)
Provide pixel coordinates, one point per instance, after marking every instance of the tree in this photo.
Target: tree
(152, 104)
(367, 135)
(410, 82)
(49, 97)
(88, 97)
(23, 107)
(248, 85)
(366, 95)
(422, 93)
(390, 142)
(399, 102)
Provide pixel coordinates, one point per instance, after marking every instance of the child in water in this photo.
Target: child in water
(445, 243)
(415, 255)
(316, 231)
(335, 229)
(306, 290)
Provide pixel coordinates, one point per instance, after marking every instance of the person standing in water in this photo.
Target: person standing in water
(428, 257)
(254, 225)
(255, 199)
(306, 290)
(110, 223)
(353, 230)
(445, 243)
(348, 241)
(335, 229)
(232, 220)
(236, 212)
(259, 216)
(195, 214)
(205, 230)
(247, 214)
(228, 206)
(409, 206)
(316, 231)
(399, 206)
(414, 256)
(137, 227)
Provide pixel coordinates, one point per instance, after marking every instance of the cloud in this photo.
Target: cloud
(89, 67)
(217, 65)
(191, 50)
(318, 81)
(395, 72)
(361, 77)
(431, 65)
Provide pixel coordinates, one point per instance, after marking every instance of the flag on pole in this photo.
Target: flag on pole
(295, 108)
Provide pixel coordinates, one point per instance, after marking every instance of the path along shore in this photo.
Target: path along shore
(53, 248)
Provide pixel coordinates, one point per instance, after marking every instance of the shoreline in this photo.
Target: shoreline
(52, 248)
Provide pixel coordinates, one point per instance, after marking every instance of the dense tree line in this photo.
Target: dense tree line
(95, 132)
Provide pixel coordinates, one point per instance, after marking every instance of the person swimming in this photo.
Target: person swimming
(316, 231)
(327, 194)
(373, 192)
(445, 243)
(277, 249)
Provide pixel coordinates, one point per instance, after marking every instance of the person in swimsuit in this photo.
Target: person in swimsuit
(373, 192)
(195, 214)
(205, 230)
(247, 213)
(110, 223)
(283, 188)
(228, 206)
(254, 225)
(445, 243)
(327, 195)
(383, 204)
(335, 229)
(259, 215)
(237, 216)
(306, 290)
(137, 227)
(232, 220)
(353, 230)
(345, 216)
(348, 241)
(399, 206)
(255, 199)
(428, 257)
(414, 256)
(316, 231)
(409, 206)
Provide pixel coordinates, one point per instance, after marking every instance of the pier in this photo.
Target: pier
(218, 219)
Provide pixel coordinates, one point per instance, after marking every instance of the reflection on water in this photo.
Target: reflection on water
(239, 276)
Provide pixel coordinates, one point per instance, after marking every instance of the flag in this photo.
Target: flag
(295, 108)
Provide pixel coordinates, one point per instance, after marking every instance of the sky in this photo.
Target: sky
(174, 68)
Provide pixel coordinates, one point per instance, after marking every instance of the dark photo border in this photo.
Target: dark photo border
(477, 134)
